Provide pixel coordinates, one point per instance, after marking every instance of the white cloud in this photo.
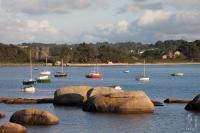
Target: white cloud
(15, 31)
(184, 4)
(122, 26)
(104, 29)
(140, 5)
(50, 6)
(151, 17)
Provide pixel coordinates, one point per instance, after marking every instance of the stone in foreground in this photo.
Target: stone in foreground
(194, 104)
(34, 117)
(2, 115)
(10, 127)
(122, 102)
(71, 95)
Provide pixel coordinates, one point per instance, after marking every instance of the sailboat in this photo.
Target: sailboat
(43, 79)
(143, 77)
(45, 72)
(28, 84)
(177, 74)
(126, 70)
(61, 73)
(30, 81)
(94, 74)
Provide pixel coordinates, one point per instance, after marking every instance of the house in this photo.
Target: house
(164, 57)
(170, 55)
(177, 54)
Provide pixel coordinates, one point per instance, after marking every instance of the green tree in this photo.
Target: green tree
(85, 53)
(66, 54)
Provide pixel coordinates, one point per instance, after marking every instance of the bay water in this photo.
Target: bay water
(171, 118)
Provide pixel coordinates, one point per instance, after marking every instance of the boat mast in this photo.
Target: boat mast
(62, 65)
(31, 73)
(46, 63)
(144, 69)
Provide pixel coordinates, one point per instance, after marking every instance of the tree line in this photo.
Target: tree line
(104, 52)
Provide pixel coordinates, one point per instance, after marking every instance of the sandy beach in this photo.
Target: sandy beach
(100, 64)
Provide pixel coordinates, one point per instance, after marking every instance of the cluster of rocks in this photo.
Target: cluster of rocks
(104, 99)
(28, 117)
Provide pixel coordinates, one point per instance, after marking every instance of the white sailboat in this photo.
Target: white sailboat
(29, 89)
(143, 77)
(45, 72)
(28, 84)
(126, 70)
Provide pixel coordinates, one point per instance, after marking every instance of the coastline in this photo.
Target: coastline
(100, 64)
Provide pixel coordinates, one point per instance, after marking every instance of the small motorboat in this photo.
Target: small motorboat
(94, 75)
(29, 89)
(43, 79)
(177, 74)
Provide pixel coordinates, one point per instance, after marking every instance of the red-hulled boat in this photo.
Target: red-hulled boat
(94, 75)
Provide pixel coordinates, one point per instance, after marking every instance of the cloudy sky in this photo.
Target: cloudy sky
(74, 21)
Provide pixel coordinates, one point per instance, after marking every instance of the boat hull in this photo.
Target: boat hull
(60, 74)
(143, 78)
(29, 89)
(29, 82)
(177, 74)
(126, 71)
(95, 76)
(45, 73)
(44, 81)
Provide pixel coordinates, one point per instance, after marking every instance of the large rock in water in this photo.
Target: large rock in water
(122, 102)
(102, 91)
(10, 127)
(194, 104)
(71, 95)
(34, 117)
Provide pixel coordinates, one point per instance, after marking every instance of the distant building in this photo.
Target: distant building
(170, 55)
(57, 63)
(164, 57)
(177, 54)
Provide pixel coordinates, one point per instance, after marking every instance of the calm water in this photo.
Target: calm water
(170, 118)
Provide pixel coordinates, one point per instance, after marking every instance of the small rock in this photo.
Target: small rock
(175, 100)
(10, 127)
(34, 117)
(194, 104)
(2, 115)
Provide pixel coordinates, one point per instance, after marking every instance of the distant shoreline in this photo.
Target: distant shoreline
(99, 64)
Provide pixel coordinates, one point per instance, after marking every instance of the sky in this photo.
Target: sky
(77, 21)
